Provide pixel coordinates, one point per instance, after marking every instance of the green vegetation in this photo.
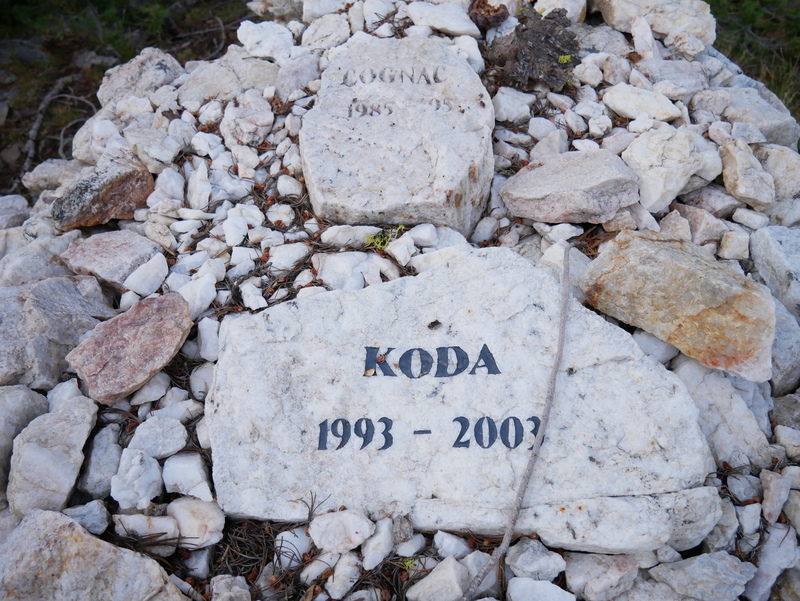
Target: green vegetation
(385, 237)
(763, 38)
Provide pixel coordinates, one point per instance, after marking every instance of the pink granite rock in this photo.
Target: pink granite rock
(111, 256)
(122, 354)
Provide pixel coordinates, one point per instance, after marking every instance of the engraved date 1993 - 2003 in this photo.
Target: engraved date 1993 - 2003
(486, 432)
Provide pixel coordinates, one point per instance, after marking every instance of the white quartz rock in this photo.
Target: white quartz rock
(776, 492)
(788, 438)
(200, 522)
(199, 293)
(266, 39)
(199, 188)
(630, 102)
(531, 559)
(248, 120)
(349, 235)
(600, 577)
(783, 164)
(290, 545)
(102, 462)
(159, 437)
(207, 338)
(283, 258)
(730, 427)
(411, 547)
(450, 545)
(340, 531)
(664, 16)
(447, 18)
(713, 576)
(19, 406)
(318, 565)
(379, 545)
(137, 480)
(47, 456)
(527, 589)
(512, 105)
(777, 553)
(154, 528)
(148, 277)
(446, 582)
(474, 563)
(664, 159)
(187, 474)
(154, 389)
(345, 575)
(327, 32)
(235, 230)
(723, 536)
(744, 177)
(776, 254)
(654, 347)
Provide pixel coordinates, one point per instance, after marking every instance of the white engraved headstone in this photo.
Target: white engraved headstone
(401, 133)
(421, 396)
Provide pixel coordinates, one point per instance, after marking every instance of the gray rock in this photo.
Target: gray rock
(778, 553)
(226, 78)
(748, 106)
(48, 455)
(574, 187)
(689, 75)
(712, 577)
(649, 590)
(51, 174)
(785, 352)
(93, 516)
(713, 198)
(775, 250)
(18, 406)
(147, 72)
(723, 536)
(14, 210)
(102, 462)
(787, 411)
(620, 502)
(600, 577)
(41, 322)
(531, 559)
(295, 74)
(421, 121)
(49, 556)
(111, 256)
(36, 260)
(159, 437)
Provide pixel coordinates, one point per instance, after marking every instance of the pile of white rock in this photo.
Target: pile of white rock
(186, 200)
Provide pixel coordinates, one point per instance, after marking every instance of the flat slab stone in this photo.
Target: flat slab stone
(50, 556)
(401, 133)
(420, 396)
(122, 354)
(111, 256)
(677, 293)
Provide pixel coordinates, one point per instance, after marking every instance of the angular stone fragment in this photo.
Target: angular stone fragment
(783, 164)
(630, 102)
(664, 159)
(785, 352)
(49, 556)
(744, 177)
(122, 354)
(776, 254)
(340, 531)
(141, 75)
(713, 576)
(746, 105)
(600, 577)
(48, 455)
(674, 291)
(41, 322)
(118, 186)
(36, 260)
(102, 463)
(283, 380)
(664, 16)
(574, 187)
(400, 133)
(111, 256)
(18, 406)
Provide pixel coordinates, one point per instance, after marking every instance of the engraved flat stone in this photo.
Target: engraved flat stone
(401, 133)
(420, 396)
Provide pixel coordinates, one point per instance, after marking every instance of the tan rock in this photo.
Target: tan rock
(122, 354)
(50, 556)
(118, 186)
(674, 291)
(744, 177)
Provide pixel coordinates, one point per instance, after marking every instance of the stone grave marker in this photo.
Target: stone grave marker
(421, 396)
(401, 133)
